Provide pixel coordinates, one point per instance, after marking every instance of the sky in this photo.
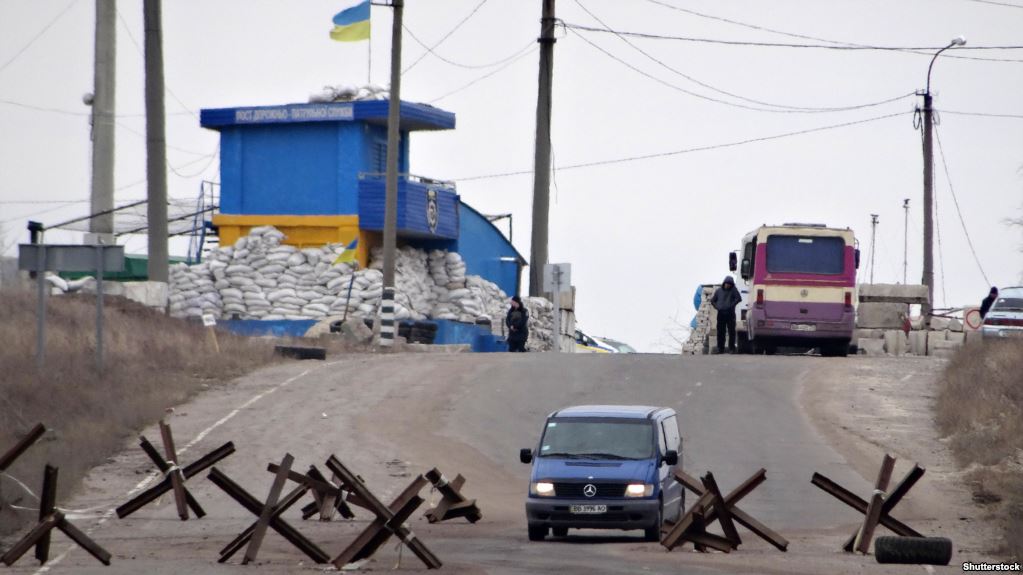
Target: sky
(715, 125)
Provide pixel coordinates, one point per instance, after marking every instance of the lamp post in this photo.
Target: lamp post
(928, 209)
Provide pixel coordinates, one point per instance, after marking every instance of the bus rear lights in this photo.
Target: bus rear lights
(760, 298)
(848, 301)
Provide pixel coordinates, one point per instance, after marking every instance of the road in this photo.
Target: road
(389, 418)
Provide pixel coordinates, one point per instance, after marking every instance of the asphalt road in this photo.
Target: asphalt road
(389, 418)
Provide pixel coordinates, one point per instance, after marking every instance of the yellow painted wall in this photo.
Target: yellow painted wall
(299, 231)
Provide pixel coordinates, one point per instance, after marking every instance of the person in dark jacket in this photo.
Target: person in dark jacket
(724, 300)
(517, 321)
(985, 305)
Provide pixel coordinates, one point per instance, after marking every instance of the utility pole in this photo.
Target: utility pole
(103, 116)
(928, 274)
(387, 327)
(928, 207)
(156, 144)
(905, 240)
(542, 161)
(873, 238)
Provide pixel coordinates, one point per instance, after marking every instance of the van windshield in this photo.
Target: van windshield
(578, 438)
(805, 254)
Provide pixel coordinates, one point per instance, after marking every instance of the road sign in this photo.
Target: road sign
(208, 320)
(557, 278)
(972, 319)
(42, 258)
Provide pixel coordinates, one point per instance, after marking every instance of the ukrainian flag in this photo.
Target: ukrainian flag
(352, 24)
(348, 256)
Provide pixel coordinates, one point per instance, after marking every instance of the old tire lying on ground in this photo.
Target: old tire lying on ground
(913, 550)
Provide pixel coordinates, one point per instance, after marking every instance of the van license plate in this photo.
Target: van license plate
(804, 327)
(587, 509)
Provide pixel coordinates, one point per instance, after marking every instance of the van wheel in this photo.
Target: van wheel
(653, 533)
(537, 532)
(559, 531)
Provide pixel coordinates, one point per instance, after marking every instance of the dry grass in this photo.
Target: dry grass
(152, 362)
(980, 409)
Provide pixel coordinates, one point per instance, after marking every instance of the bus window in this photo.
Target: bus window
(805, 254)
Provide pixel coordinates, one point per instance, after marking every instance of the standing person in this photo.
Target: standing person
(724, 300)
(517, 321)
(985, 306)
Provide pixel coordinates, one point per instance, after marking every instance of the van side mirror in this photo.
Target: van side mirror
(526, 455)
(732, 262)
(745, 269)
(857, 253)
(671, 458)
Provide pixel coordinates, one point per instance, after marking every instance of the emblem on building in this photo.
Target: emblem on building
(432, 213)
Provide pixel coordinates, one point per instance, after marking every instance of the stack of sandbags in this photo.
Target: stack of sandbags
(192, 291)
(706, 318)
(261, 278)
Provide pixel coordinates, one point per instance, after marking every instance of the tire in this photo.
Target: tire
(913, 550)
(537, 532)
(653, 533)
(559, 531)
(744, 345)
(838, 349)
(298, 352)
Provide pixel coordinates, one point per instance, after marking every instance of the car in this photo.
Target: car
(587, 344)
(1005, 318)
(621, 347)
(604, 467)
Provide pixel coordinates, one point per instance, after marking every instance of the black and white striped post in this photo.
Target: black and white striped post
(387, 327)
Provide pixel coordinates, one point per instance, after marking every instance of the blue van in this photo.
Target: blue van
(605, 467)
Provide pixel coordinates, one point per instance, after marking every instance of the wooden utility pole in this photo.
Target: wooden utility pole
(538, 252)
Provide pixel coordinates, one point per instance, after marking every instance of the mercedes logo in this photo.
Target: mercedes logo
(804, 293)
(590, 490)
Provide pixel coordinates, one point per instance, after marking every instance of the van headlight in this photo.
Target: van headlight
(639, 490)
(541, 488)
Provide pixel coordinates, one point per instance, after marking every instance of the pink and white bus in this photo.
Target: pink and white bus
(802, 287)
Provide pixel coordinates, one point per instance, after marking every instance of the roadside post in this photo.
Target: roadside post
(41, 258)
(210, 323)
(557, 279)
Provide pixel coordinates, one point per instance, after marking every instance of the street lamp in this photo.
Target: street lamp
(928, 123)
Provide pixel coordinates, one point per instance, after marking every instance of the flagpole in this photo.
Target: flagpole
(369, 58)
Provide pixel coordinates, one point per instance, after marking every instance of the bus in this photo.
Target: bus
(801, 281)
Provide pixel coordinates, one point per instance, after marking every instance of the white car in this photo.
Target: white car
(1005, 318)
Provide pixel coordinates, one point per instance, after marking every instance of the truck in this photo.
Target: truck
(800, 287)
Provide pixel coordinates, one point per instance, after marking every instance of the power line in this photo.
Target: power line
(38, 35)
(1006, 4)
(533, 48)
(503, 60)
(846, 47)
(948, 178)
(803, 109)
(812, 38)
(983, 114)
(430, 49)
(66, 112)
(704, 96)
(691, 150)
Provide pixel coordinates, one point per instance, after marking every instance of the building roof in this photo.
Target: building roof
(413, 116)
(618, 411)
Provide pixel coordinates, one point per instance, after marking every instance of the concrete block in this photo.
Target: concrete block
(893, 293)
(868, 334)
(936, 340)
(918, 342)
(871, 347)
(151, 294)
(945, 348)
(881, 315)
(895, 342)
(955, 324)
(955, 336)
(940, 323)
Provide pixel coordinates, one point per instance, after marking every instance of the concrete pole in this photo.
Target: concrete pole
(156, 144)
(873, 238)
(928, 273)
(542, 162)
(905, 240)
(387, 327)
(103, 116)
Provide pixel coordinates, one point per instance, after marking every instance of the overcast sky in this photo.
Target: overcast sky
(641, 235)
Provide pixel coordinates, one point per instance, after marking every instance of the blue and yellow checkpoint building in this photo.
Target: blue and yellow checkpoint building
(317, 172)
